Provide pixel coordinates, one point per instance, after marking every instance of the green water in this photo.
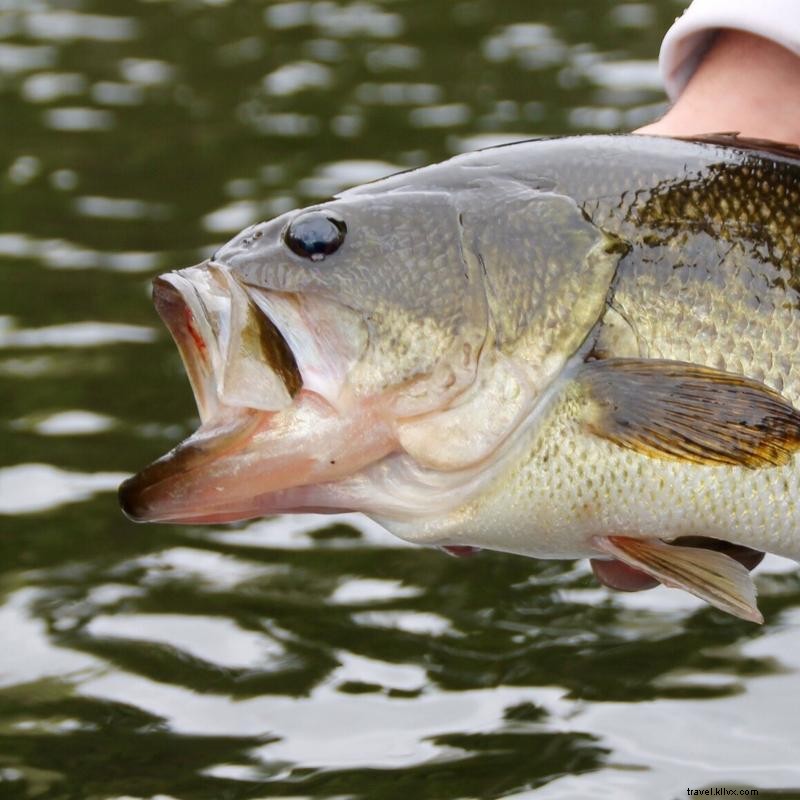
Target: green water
(307, 657)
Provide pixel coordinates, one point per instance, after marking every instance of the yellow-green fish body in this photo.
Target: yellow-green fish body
(564, 348)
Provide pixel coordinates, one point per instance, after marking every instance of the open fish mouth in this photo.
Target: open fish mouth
(269, 375)
(234, 356)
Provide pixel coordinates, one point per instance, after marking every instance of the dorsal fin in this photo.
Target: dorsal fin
(782, 150)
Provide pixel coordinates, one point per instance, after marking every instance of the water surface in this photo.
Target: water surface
(306, 657)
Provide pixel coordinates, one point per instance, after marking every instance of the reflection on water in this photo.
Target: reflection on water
(306, 657)
(25, 488)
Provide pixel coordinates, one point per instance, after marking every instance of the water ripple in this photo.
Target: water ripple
(531, 45)
(146, 71)
(217, 641)
(45, 87)
(120, 208)
(329, 179)
(74, 334)
(66, 423)
(348, 20)
(112, 93)
(70, 25)
(306, 656)
(59, 254)
(33, 657)
(298, 77)
(17, 58)
(79, 119)
(30, 488)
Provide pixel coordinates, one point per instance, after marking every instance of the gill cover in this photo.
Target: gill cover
(546, 272)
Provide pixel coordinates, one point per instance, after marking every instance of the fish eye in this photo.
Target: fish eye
(315, 235)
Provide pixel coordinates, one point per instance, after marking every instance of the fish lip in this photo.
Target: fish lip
(182, 320)
(177, 315)
(188, 456)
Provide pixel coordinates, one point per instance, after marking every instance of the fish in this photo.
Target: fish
(578, 347)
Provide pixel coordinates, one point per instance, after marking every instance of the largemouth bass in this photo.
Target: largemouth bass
(578, 347)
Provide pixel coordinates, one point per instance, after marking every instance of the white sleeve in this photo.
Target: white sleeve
(690, 36)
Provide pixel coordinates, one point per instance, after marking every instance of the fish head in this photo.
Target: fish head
(371, 353)
(383, 312)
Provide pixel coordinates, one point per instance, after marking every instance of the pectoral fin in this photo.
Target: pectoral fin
(675, 410)
(711, 576)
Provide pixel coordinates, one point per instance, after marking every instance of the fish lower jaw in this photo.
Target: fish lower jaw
(247, 463)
